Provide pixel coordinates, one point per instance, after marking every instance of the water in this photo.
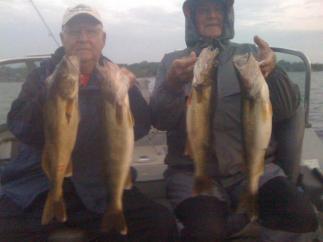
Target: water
(8, 91)
(316, 103)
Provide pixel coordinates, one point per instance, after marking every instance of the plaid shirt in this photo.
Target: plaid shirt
(23, 179)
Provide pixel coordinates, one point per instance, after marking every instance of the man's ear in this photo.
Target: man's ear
(61, 37)
(104, 37)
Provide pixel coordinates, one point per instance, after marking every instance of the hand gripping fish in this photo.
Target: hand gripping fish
(119, 143)
(198, 118)
(61, 119)
(257, 125)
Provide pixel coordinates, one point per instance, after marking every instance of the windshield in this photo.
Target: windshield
(12, 75)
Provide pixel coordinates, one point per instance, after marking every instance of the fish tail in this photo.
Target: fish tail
(53, 209)
(202, 185)
(48, 211)
(60, 210)
(114, 220)
(69, 169)
(248, 204)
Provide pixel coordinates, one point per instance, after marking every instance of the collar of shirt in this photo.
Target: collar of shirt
(84, 79)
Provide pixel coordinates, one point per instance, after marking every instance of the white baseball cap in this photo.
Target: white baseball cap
(80, 10)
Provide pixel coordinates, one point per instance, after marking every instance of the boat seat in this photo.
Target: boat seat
(289, 134)
(68, 234)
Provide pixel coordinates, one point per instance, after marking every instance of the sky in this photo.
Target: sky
(144, 30)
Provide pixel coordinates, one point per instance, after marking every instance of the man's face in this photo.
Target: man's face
(84, 37)
(209, 19)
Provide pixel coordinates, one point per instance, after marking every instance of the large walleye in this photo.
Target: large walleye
(119, 141)
(257, 125)
(198, 117)
(61, 119)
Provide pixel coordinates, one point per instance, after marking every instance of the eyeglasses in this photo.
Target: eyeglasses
(207, 10)
(78, 32)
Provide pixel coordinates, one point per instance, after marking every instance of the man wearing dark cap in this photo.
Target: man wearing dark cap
(284, 212)
(24, 186)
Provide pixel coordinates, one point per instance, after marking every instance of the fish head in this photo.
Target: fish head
(115, 82)
(204, 66)
(67, 77)
(251, 78)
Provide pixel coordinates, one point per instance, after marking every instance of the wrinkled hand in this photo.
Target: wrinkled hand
(116, 80)
(265, 56)
(181, 71)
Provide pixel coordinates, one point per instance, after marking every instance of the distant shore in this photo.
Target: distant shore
(145, 69)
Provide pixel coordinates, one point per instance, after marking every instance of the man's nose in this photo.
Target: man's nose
(213, 13)
(83, 35)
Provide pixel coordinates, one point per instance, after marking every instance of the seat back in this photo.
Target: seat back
(289, 135)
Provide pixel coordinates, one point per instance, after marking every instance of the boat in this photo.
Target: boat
(306, 169)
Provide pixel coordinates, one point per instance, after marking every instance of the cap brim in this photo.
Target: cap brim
(79, 14)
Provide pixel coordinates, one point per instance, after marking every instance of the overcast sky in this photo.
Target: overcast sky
(147, 29)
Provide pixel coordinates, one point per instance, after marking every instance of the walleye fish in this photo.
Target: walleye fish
(119, 134)
(198, 118)
(61, 119)
(257, 125)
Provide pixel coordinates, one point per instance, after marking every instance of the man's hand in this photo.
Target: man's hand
(265, 56)
(181, 71)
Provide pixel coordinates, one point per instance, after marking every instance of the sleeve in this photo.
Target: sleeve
(284, 95)
(24, 119)
(141, 112)
(167, 105)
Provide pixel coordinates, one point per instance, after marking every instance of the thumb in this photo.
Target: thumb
(262, 44)
(193, 54)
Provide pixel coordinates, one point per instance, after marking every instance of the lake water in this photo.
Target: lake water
(8, 91)
(316, 104)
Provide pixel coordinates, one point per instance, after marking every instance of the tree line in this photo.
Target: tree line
(298, 66)
(142, 69)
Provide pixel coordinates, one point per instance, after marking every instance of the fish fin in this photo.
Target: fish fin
(114, 221)
(69, 169)
(130, 118)
(128, 185)
(60, 210)
(188, 149)
(196, 94)
(48, 210)
(248, 204)
(189, 100)
(45, 163)
(119, 113)
(203, 185)
(199, 95)
(69, 110)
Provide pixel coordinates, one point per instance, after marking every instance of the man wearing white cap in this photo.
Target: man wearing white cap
(24, 186)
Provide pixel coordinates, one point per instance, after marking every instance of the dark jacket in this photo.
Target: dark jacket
(23, 179)
(169, 108)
